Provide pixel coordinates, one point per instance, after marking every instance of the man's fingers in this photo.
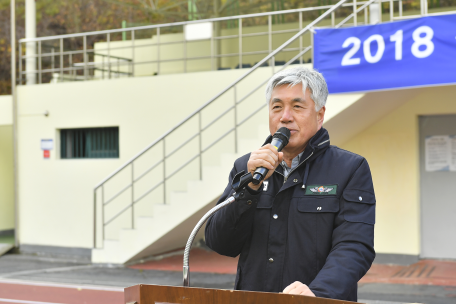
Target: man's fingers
(280, 157)
(261, 163)
(301, 289)
(291, 287)
(270, 158)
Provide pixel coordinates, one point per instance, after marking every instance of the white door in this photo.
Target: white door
(438, 186)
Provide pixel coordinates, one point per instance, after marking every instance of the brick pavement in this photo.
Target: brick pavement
(425, 272)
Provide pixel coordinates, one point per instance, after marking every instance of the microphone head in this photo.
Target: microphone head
(284, 134)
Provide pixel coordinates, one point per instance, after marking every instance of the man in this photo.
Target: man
(308, 228)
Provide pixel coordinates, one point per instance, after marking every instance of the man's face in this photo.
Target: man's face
(290, 107)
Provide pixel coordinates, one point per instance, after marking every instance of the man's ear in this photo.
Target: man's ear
(321, 116)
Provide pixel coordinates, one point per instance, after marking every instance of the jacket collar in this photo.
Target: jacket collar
(317, 143)
(316, 146)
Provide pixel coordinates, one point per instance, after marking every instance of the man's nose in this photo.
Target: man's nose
(286, 115)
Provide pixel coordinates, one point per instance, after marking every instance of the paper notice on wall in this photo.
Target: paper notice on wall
(453, 153)
(438, 153)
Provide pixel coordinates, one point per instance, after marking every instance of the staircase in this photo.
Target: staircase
(171, 223)
(179, 196)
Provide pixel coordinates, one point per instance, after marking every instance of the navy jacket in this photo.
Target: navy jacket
(316, 226)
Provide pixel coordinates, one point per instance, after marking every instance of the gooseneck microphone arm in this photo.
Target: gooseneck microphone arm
(201, 222)
(240, 180)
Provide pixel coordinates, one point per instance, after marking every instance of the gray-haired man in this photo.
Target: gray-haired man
(309, 227)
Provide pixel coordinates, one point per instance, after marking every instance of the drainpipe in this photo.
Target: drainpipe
(14, 97)
(30, 32)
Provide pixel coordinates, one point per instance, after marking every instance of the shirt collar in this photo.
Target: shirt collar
(294, 163)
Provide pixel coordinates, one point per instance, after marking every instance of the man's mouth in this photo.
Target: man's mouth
(293, 131)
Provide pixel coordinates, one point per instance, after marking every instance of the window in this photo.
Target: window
(89, 143)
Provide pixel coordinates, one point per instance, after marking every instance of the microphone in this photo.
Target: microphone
(279, 140)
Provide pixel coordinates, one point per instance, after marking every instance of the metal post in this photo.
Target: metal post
(95, 218)
(132, 196)
(312, 45)
(240, 42)
(164, 172)
(52, 60)
(102, 66)
(270, 41)
(158, 51)
(108, 40)
(39, 62)
(235, 122)
(102, 215)
(400, 8)
(20, 63)
(30, 32)
(380, 11)
(118, 67)
(86, 74)
(185, 54)
(300, 37)
(366, 20)
(333, 19)
(355, 15)
(15, 135)
(212, 48)
(200, 146)
(61, 59)
(391, 10)
(132, 53)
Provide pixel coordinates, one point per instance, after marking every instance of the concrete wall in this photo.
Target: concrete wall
(390, 145)
(6, 110)
(6, 165)
(173, 50)
(56, 195)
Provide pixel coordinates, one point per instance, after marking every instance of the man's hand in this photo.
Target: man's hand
(299, 289)
(267, 157)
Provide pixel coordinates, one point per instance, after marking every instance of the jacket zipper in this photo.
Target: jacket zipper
(286, 177)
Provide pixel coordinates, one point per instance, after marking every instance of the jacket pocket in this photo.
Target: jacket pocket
(265, 201)
(318, 204)
(359, 206)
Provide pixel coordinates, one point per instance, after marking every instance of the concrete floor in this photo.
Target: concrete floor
(25, 268)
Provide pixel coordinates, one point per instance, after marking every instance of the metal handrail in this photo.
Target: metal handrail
(162, 139)
(87, 71)
(198, 112)
(260, 63)
(180, 23)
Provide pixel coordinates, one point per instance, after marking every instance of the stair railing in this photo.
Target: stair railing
(91, 55)
(161, 142)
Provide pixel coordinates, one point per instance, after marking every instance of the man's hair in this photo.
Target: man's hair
(308, 78)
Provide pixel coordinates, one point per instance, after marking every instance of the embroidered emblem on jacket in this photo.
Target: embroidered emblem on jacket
(321, 190)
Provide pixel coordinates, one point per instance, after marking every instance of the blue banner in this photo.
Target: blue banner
(400, 54)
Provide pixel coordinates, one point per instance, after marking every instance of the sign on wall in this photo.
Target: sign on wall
(440, 153)
(409, 53)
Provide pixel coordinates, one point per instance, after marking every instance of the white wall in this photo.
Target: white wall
(6, 164)
(56, 195)
(391, 146)
(6, 110)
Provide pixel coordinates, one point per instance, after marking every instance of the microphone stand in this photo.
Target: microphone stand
(239, 182)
